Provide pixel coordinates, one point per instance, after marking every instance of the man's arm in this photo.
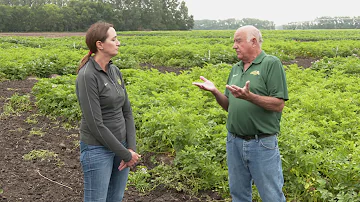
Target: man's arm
(266, 102)
(221, 99)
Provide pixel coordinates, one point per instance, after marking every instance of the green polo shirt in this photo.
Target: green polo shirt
(267, 78)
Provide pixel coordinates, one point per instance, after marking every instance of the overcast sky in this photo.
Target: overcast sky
(278, 11)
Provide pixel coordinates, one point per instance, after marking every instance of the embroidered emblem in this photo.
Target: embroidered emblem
(119, 81)
(255, 73)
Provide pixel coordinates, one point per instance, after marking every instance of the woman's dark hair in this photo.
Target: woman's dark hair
(96, 32)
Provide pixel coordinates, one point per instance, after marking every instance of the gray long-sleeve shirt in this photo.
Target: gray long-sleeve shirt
(106, 112)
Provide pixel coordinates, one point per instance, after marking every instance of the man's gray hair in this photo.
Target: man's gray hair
(251, 32)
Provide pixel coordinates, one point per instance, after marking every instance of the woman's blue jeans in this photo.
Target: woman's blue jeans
(103, 182)
(255, 160)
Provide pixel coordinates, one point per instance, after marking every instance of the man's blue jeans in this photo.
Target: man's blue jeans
(103, 182)
(258, 160)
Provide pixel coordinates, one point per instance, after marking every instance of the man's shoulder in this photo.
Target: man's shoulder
(265, 59)
(271, 61)
(271, 58)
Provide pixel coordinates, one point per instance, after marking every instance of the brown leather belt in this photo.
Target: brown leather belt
(251, 137)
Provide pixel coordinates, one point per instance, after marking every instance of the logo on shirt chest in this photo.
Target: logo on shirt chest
(255, 73)
(119, 81)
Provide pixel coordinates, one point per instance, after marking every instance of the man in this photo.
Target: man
(254, 97)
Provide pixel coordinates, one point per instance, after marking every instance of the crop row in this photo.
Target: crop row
(21, 57)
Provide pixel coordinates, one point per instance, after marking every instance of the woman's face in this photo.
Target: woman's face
(111, 45)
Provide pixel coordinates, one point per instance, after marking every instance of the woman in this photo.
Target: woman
(107, 131)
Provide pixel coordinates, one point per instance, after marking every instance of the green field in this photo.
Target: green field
(320, 129)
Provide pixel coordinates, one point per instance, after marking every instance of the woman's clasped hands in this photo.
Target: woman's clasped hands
(132, 163)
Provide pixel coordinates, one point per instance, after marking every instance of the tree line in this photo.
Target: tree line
(319, 23)
(232, 24)
(126, 15)
(327, 22)
(78, 15)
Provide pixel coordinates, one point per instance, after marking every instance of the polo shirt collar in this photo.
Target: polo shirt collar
(259, 58)
(96, 65)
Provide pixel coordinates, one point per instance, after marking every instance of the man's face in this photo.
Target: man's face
(241, 45)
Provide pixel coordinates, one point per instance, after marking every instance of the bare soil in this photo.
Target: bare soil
(301, 62)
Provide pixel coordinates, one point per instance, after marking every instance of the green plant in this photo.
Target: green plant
(2, 77)
(56, 97)
(19, 130)
(76, 144)
(32, 119)
(13, 71)
(17, 104)
(41, 155)
(140, 179)
(35, 131)
(68, 126)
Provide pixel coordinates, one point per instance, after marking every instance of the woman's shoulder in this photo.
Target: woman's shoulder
(87, 71)
(116, 69)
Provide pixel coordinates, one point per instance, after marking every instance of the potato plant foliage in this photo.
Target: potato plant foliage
(184, 128)
(319, 138)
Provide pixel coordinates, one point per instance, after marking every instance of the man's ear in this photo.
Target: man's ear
(254, 41)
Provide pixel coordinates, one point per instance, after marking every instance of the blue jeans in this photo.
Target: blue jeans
(255, 160)
(103, 182)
